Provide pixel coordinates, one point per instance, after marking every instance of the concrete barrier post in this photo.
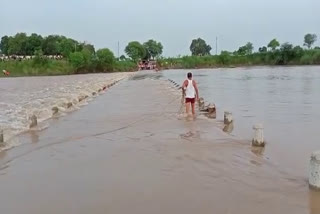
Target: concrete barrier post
(212, 111)
(201, 104)
(55, 110)
(227, 118)
(314, 171)
(1, 137)
(34, 121)
(258, 139)
(228, 128)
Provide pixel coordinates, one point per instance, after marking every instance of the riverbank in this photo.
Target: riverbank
(83, 63)
(58, 67)
(291, 57)
(130, 152)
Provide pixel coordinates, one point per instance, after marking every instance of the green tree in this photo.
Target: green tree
(88, 56)
(4, 44)
(18, 44)
(241, 51)
(298, 51)
(51, 45)
(67, 46)
(286, 54)
(249, 48)
(89, 47)
(153, 48)
(106, 59)
(123, 58)
(309, 39)
(273, 44)
(263, 49)
(199, 47)
(246, 49)
(34, 43)
(77, 60)
(135, 51)
(81, 60)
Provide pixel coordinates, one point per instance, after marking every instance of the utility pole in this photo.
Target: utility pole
(216, 45)
(118, 50)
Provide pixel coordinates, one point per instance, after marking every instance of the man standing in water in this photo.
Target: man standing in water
(191, 93)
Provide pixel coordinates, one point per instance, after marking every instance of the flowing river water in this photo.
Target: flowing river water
(138, 157)
(286, 100)
(22, 97)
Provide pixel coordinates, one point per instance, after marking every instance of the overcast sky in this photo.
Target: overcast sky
(173, 22)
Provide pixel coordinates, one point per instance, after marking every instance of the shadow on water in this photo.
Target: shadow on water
(34, 137)
(258, 151)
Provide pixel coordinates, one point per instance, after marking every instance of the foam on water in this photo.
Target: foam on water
(27, 96)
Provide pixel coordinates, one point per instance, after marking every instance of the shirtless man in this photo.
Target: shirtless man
(191, 93)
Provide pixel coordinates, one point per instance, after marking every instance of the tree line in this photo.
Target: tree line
(22, 44)
(80, 55)
(146, 51)
(273, 53)
(199, 46)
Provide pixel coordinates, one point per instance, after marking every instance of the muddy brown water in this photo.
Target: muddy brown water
(286, 100)
(23, 97)
(130, 152)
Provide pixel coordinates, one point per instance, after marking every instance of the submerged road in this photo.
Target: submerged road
(129, 152)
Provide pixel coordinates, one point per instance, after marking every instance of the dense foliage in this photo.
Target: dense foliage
(153, 48)
(146, 51)
(199, 47)
(22, 44)
(309, 39)
(78, 57)
(81, 57)
(272, 54)
(135, 51)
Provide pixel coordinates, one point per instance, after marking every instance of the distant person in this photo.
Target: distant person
(191, 93)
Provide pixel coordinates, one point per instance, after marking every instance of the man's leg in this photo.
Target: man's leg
(193, 110)
(187, 107)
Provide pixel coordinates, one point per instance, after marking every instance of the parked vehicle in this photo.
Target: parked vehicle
(147, 65)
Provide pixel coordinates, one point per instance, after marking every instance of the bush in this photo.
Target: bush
(106, 59)
(77, 60)
(29, 67)
(316, 57)
(125, 66)
(39, 59)
(224, 58)
(306, 59)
